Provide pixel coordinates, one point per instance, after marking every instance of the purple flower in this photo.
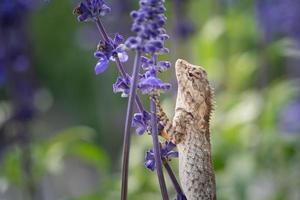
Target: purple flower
(279, 18)
(141, 122)
(109, 50)
(122, 85)
(150, 160)
(150, 84)
(148, 22)
(102, 63)
(15, 65)
(2, 75)
(184, 28)
(167, 152)
(148, 64)
(181, 197)
(11, 11)
(2, 67)
(148, 25)
(91, 9)
(289, 118)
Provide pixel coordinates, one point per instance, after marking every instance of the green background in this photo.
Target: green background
(77, 136)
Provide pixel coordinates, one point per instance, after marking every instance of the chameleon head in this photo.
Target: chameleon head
(194, 93)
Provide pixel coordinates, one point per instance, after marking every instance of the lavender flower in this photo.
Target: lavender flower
(109, 50)
(150, 84)
(166, 152)
(148, 64)
(122, 85)
(289, 117)
(279, 17)
(149, 41)
(183, 27)
(16, 68)
(91, 10)
(2, 68)
(148, 22)
(141, 122)
(150, 38)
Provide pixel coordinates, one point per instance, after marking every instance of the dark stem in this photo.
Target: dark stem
(172, 177)
(101, 29)
(156, 150)
(126, 142)
(119, 64)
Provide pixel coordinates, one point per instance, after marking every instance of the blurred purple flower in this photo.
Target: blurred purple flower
(141, 122)
(122, 85)
(11, 11)
(184, 28)
(15, 62)
(167, 152)
(289, 118)
(150, 160)
(278, 18)
(109, 50)
(2, 75)
(91, 10)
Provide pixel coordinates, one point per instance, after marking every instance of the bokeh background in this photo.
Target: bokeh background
(61, 126)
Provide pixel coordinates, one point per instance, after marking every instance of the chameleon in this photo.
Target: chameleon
(189, 130)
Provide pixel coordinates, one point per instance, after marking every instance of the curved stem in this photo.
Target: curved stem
(126, 142)
(156, 150)
(101, 29)
(119, 64)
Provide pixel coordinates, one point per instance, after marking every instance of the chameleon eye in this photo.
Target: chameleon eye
(190, 74)
(194, 75)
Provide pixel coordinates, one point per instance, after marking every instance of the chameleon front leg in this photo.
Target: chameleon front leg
(172, 131)
(163, 119)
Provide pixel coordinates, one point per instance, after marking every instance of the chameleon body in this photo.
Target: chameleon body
(190, 131)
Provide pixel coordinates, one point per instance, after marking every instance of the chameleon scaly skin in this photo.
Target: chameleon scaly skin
(190, 131)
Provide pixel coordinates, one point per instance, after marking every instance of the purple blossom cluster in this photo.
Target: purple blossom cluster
(150, 36)
(17, 73)
(183, 27)
(289, 117)
(110, 50)
(148, 44)
(91, 10)
(148, 25)
(167, 152)
(11, 11)
(15, 63)
(279, 18)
